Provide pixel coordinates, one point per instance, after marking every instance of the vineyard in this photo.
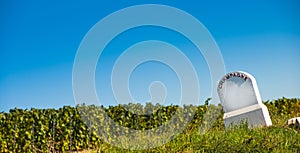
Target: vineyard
(78, 129)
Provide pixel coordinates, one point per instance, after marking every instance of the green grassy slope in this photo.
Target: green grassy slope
(63, 130)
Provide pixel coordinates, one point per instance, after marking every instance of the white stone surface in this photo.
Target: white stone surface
(241, 101)
(294, 121)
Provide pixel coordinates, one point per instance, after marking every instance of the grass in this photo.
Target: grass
(237, 139)
(276, 138)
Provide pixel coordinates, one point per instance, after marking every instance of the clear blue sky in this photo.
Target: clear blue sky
(39, 40)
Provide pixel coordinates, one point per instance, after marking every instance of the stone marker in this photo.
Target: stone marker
(241, 101)
(294, 122)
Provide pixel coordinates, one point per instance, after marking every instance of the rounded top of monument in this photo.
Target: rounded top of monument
(238, 90)
(241, 74)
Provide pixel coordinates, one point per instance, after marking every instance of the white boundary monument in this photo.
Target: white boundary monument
(241, 101)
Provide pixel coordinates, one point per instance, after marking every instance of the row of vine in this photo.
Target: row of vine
(74, 129)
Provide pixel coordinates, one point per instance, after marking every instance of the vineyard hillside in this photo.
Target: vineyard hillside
(70, 129)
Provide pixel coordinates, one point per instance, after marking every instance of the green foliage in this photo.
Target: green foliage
(43, 130)
(78, 129)
(283, 109)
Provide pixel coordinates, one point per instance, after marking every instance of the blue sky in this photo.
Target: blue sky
(39, 40)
